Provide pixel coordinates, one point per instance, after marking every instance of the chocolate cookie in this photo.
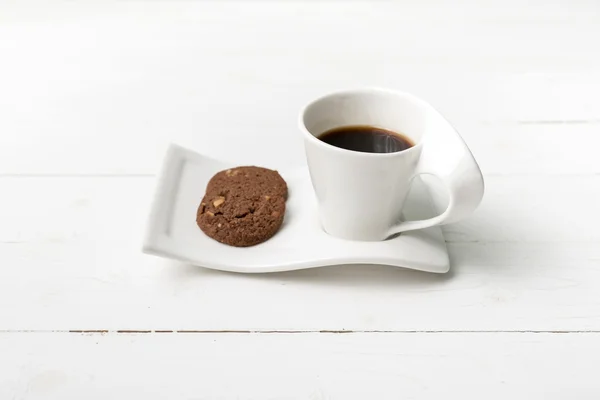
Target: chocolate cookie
(240, 217)
(241, 179)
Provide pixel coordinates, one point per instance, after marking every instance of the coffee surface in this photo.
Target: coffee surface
(366, 139)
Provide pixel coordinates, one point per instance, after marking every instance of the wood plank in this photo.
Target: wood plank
(493, 287)
(158, 76)
(71, 260)
(500, 34)
(514, 209)
(299, 366)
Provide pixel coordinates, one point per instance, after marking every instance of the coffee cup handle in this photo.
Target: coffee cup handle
(448, 157)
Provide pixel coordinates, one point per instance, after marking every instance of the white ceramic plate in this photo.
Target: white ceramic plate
(300, 243)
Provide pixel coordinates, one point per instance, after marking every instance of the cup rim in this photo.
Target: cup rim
(361, 90)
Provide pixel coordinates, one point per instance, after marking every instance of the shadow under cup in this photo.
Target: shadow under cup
(361, 195)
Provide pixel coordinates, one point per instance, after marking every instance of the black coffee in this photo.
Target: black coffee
(367, 139)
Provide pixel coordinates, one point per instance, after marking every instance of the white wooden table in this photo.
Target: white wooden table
(90, 95)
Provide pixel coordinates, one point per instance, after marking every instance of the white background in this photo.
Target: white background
(91, 93)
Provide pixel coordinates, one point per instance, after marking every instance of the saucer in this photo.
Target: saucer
(300, 243)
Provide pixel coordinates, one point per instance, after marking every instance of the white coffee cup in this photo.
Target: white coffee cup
(361, 195)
